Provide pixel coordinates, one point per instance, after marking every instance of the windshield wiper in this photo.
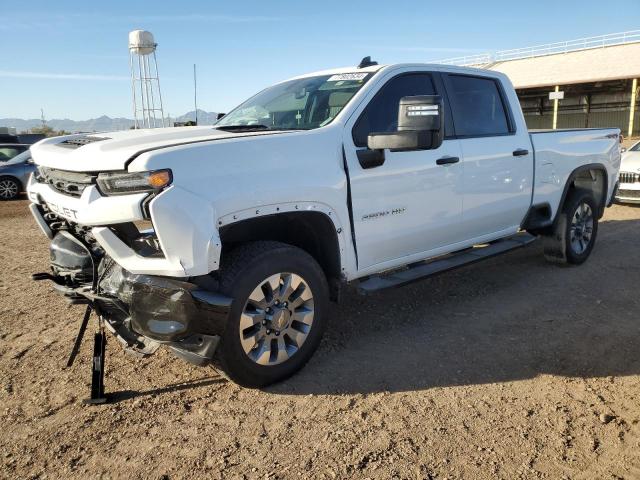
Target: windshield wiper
(251, 128)
(233, 128)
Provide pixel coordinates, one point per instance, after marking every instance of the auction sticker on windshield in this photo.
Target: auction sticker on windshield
(347, 76)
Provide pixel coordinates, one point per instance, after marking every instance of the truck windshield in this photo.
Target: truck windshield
(301, 104)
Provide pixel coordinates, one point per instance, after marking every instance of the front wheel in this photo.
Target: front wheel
(574, 233)
(9, 188)
(280, 301)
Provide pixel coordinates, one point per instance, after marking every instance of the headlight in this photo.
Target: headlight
(124, 183)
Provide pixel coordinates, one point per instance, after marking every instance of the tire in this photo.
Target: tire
(575, 230)
(258, 348)
(9, 188)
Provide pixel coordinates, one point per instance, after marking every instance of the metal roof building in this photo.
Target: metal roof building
(593, 81)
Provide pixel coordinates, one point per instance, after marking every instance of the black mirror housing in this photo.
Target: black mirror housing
(420, 126)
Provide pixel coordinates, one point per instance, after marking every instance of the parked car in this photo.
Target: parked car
(31, 138)
(9, 138)
(14, 172)
(226, 243)
(629, 189)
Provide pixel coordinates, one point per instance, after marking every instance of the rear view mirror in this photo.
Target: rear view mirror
(420, 126)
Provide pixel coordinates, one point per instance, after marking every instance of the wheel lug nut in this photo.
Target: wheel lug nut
(268, 332)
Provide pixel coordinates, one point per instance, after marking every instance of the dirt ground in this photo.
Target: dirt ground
(511, 368)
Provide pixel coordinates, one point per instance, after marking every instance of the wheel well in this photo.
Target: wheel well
(312, 232)
(593, 179)
(588, 177)
(15, 179)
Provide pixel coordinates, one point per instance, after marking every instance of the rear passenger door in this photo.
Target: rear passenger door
(498, 163)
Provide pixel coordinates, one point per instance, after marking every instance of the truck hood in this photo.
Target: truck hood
(630, 162)
(100, 152)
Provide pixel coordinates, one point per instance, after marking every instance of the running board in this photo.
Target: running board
(428, 268)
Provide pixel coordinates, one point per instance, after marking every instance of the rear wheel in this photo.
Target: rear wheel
(574, 233)
(9, 188)
(280, 301)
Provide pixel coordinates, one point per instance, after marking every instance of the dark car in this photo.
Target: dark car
(8, 138)
(14, 170)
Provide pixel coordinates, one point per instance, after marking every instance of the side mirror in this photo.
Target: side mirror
(420, 126)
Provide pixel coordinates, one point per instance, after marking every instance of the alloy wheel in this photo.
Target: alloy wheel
(8, 189)
(276, 319)
(581, 230)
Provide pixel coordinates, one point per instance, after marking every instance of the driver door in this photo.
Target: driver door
(411, 204)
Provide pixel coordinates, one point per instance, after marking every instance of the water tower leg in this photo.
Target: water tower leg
(632, 110)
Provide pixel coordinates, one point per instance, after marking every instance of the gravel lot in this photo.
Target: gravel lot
(511, 368)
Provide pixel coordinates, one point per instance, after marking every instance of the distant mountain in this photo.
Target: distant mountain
(100, 124)
(204, 118)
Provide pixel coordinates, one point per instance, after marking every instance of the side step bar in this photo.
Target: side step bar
(428, 268)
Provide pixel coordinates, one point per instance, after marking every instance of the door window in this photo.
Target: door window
(381, 115)
(478, 107)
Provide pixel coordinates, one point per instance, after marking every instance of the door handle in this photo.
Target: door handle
(447, 160)
(520, 152)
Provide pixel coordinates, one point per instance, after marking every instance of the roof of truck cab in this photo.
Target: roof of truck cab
(376, 68)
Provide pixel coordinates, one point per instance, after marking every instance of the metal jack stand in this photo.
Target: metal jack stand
(97, 365)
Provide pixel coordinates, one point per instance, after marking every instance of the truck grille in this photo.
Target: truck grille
(629, 177)
(67, 183)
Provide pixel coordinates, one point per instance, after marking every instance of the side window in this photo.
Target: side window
(7, 153)
(381, 115)
(477, 106)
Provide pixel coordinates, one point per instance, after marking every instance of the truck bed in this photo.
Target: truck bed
(558, 153)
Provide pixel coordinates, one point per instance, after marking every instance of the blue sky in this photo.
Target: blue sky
(71, 58)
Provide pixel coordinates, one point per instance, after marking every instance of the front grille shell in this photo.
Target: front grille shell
(67, 183)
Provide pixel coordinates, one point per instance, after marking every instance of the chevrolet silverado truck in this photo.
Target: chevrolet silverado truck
(226, 243)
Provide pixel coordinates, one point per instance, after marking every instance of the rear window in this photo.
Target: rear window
(478, 108)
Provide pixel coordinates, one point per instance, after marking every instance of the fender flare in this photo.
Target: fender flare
(290, 207)
(573, 175)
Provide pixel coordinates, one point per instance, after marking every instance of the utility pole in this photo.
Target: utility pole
(44, 123)
(195, 93)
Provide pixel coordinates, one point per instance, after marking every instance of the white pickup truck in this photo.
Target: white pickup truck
(226, 243)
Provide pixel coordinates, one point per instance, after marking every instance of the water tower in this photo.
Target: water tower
(145, 82)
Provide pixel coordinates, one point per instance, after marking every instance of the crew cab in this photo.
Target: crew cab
(227, 243)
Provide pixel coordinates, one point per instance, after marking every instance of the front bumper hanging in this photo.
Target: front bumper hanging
(142, 311)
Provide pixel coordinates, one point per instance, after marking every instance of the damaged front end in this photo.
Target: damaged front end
(142, 311)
